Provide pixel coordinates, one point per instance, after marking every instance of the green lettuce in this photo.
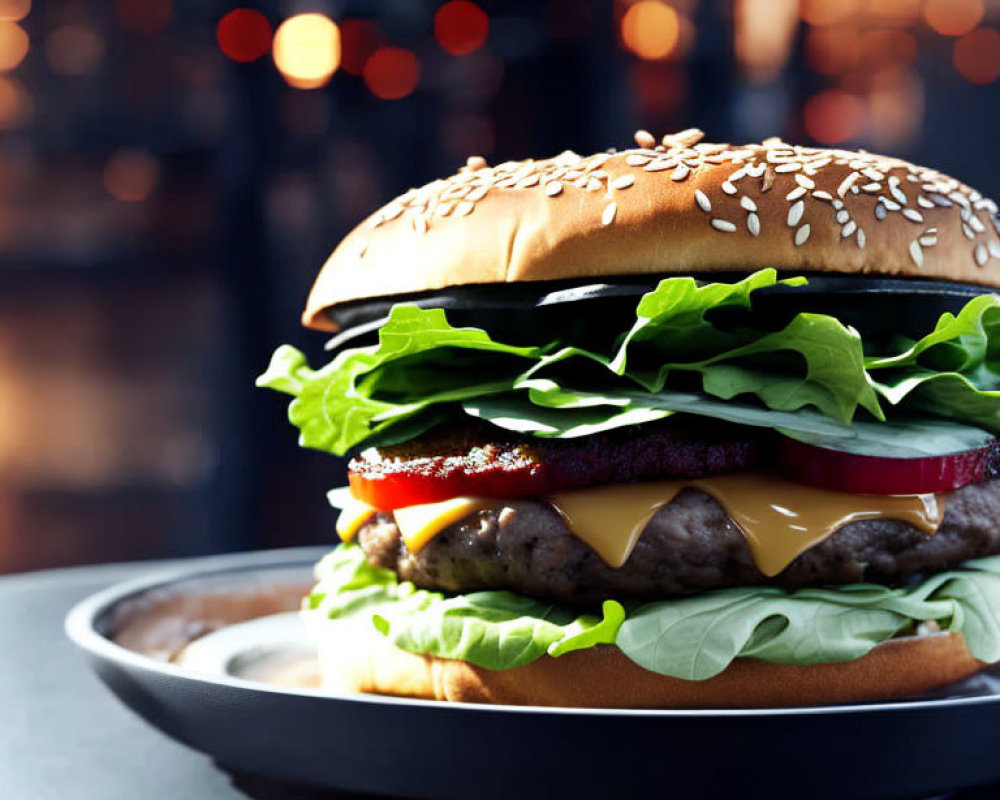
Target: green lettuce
(692, 638)
(812, 379)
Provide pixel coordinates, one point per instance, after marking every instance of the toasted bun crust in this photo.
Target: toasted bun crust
(603, 677)
(677, 207)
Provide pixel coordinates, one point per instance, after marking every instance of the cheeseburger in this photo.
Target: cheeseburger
(684, 425)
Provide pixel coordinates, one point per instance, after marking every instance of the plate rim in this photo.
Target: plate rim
(81, 628)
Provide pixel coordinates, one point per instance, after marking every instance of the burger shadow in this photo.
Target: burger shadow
(257, 787)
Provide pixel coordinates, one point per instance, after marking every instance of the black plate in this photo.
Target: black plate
(410, 748)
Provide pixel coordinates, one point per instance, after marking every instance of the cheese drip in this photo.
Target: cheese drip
(780, 519)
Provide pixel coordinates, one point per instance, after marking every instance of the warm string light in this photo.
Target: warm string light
(392, 73)
(306, 50)
(244, 35)
(977, 56)
(650, 29)
(461, 27)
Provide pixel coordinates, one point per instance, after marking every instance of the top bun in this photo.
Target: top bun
(677, 207)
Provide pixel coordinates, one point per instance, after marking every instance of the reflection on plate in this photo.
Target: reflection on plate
(213, 654)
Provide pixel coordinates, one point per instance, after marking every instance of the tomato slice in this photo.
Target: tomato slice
(847, 472)
(389, 491)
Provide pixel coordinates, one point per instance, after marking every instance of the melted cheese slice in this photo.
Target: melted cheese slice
(419, 524)
(780, 519)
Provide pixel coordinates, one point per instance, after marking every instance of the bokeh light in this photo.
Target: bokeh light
(14, 10)
(244, 35)
(131, 175)
(144, 16)
(897, 13)
(307, 50)
(953, 17)
(977, 56)
(461, 27)
(896, 105)
(650, 29)
(833, 116)
(826, 12)
(887, 49)
(359, 39)
(74, 50)
(392, 73)
(16, 103)
(13, 45)
(832, 49)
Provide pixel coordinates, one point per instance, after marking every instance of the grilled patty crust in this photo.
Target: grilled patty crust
(455, 454)
(691, 545)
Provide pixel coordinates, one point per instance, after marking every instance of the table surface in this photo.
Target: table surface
(62, 734)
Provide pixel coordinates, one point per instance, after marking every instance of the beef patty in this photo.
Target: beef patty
(689, 546)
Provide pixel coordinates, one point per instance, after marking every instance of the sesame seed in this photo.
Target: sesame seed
(728, 187)
(645, 139)
(768, 181)
(477, 194)
(443, 209)
(795, 213)
(753, 224)
(890, 204)
(391, 211)
(843, 215)
(968, 232)
(899, 194)
(959, 198)
(848, 229)
(940, 200)
(847, 183)
(791, 166)
(756, 170)
(552, 188)
(994, 248)
(475, 162)
(862, 239)
(981, 254)
(658, 165)
(801, 235)
(916, 253)
(923, 202)
(796, 193)
(593, 184)
(748, 204)
(977, 224)
(871, 188)
(819, 194)
(739, 175)
(680, 173)
(529, 181)
(703, 202)
(622, 182)
(723, 225)
(881, 212)
(608, 215)
(874, 174)
(913, 215)
(419, 223)
(805, 181)
(464, 208)
(636, 160)
(506, 183)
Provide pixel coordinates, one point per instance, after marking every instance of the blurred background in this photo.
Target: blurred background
(174, 172)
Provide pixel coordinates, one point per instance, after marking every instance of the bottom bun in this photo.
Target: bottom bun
(356, 660)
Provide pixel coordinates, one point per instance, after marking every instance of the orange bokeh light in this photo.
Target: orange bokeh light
(832, 49)
(14, 10)
(977, 56)
(651, 29)
(131, 175)
(359, 38)
(888, 49)
(144, 16)
(953, 17)
(833, 116)
(826, 12)
(244, 35)
(74, 50)
(307, 50)
(392, 73)
(461, 27)
(16, 103)
(13, 45)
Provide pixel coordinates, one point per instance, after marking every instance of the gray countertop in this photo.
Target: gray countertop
(63, 736)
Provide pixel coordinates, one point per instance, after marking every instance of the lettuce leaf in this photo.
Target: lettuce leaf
(692, 638)
(807, 380)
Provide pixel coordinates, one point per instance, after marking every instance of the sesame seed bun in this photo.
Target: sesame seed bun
(352, 660)
(678, 207)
